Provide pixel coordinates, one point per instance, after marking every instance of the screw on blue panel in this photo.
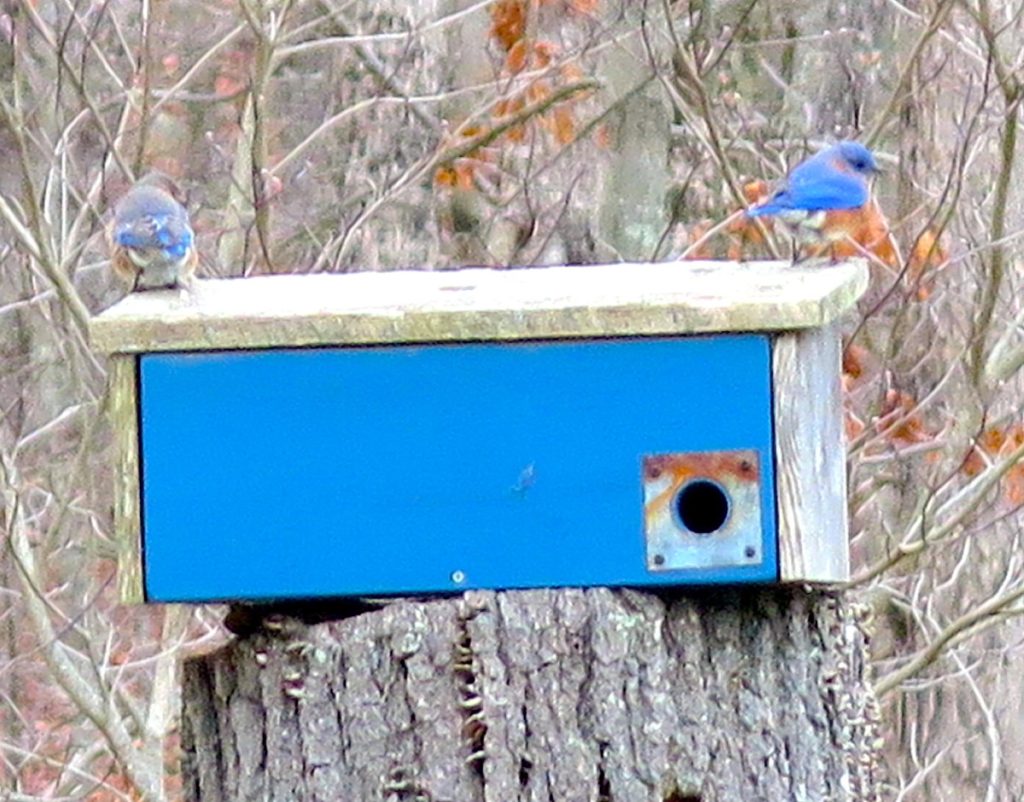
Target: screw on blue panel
(458, 577)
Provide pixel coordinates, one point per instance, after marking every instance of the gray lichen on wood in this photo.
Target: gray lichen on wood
(478, 304)
(555, 695)
(127, 511)
(810, 456)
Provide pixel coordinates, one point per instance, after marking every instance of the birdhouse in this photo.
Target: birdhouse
(416, 432)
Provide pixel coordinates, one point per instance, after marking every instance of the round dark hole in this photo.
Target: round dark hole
(702, 506)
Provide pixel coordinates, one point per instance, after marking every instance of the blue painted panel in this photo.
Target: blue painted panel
(312, 472)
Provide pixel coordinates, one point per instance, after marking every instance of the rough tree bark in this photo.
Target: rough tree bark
(542, 695)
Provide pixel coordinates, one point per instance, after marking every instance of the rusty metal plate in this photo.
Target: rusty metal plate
(702, 510)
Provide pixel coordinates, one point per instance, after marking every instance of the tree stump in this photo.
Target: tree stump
(554, 695)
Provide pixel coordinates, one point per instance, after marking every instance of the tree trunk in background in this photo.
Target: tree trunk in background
(633, 209)
(542, 695)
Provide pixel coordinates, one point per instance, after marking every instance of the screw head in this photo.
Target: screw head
(458, 577)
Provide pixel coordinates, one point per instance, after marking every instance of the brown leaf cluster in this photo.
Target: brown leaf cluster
(509, 30)
(745, 236)
(994, 443)
(927, 257)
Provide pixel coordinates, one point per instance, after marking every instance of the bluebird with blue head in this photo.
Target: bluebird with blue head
(152, 245)
(827, 198)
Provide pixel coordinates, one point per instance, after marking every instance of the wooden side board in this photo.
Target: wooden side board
(810, 456)
(127, 507)
(618, 300)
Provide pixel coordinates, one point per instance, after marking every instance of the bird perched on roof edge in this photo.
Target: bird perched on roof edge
(826, 198)
(151, 242)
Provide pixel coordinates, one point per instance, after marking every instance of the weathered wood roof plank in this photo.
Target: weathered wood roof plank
(481, 304)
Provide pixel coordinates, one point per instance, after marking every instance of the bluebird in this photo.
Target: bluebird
(151, 242)
(826, 198)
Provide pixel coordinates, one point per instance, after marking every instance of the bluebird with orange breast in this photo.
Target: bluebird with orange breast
(826, 198)
(152, 244)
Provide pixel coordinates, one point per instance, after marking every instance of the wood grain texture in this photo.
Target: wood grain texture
(479, 304)
(810, 456)
(127, 508)
(560, 696)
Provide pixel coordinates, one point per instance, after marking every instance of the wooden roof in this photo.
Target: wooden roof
(480, 304)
